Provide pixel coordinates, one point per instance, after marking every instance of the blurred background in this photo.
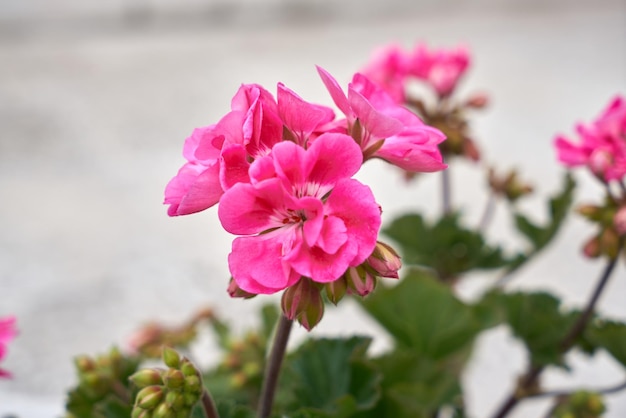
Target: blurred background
(96, 99)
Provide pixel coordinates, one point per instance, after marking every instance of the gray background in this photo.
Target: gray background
(96, 99)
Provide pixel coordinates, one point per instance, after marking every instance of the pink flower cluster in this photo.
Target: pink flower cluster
(602, 146)
(391, 67)
(7, 333)
(281, 169)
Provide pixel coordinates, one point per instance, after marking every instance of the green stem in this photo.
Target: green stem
(445, 191)
(272, 370)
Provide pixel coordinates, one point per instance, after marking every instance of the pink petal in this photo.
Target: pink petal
(336, 93)
(313, 210)
(193, 189)
(332, 157)
(375, 122)
(234, 166)
(299, 116)
(333, 235)
(354, 203)
(257, 266)
(568, 153)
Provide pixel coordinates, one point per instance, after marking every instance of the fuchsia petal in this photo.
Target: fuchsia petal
(334, 156)
(247, 209)
(291, 163)
(198, 145)
(354, 203)
(376, 123)
(299, 116)
(195, 188)
(257, 266)
(321, 266)
(337, 94)
(333, 235)
(313, 211)
(415, 151)
(568, 153)
(234, 166)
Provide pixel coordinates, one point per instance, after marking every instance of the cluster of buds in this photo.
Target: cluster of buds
(104, 374)
(167, 393)
(581, 404)
(508, 186)
(149, 340)
(611, 221)
(304, 303)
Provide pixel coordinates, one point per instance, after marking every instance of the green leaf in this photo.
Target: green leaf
(229, 409)
(446, 246)
(331, 378)
(536, 318)
(424, 315)
(559, 205)
(112, 407)
(609, 335)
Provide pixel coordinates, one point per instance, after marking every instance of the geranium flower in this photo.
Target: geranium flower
(602, 146)
(388, 68)
(301, 215)
(7, 334)
(440, 68)
(383, 128)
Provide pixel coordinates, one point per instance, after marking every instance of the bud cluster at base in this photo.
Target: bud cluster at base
(167, 393)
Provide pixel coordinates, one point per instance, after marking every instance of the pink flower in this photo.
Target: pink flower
(7, 333)
(388, 68)
(301, 215)
(603, 144)
(219, 155)
(385, 129)
(440, 68)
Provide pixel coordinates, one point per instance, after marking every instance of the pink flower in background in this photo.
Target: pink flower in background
(441, 68)
(388, 68)
(301, 215)
(602, 146)
(386, 129)
(7, 334)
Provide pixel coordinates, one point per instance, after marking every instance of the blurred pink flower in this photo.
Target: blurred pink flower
(388, 68)
(301, 215)
(7, 334)
(602, 146)
(384, 128)
(441, 68)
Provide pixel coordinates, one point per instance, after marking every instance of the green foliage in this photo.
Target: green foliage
(445, 246)
(424, 315)
(610, 336)
(580, 404)
(228, 409)
(330, 378)
(539, 236)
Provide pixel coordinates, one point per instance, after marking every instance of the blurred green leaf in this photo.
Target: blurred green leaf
(228, 409)
(424, 315)
(112, 407)
(331, 378)
(609, 335)
(446, 246)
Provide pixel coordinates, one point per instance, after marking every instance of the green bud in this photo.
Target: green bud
(174, 379)
(141, 413)
(171, 357)
(183, 413)
(251, 368)
(163, 411)
(147, 377)
(188, 368)
(336, 290)
(150, 397)
(190, 399)
(175, 400)
(193, 384)
(84, 364)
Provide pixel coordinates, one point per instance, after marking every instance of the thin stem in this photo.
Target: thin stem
(445, 191)
(488, 212)
(530, 378)
(272, 370)
(208, 405)
(554, 393)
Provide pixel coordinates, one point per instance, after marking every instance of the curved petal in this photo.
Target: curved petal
(300, 116)
(195, 188)
(378, 124)
(234, 166)
(257, 265)
(336, 93)
(332, 156)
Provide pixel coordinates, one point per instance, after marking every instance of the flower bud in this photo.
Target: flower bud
(84, 364)
(609, 242)
(336, 290)
(147, 377)
(600, 160)
(141, 413)
(470, 150)
(193, 384)
(591, 249)
(385, 261)
(188, 368)
(303, 302)
(150, 397)
(477, 101)
(171, 357)
(236, 292)
(619, 221)
(163, 411)
(360, 280)
(591, 212)
(174, 379)
(175, 400)
(190, 399)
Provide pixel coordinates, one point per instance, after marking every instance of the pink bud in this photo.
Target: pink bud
(599, 161)
(385, 261)
(477, 101)
(304, 303)
(236, 292)
(360, 280)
